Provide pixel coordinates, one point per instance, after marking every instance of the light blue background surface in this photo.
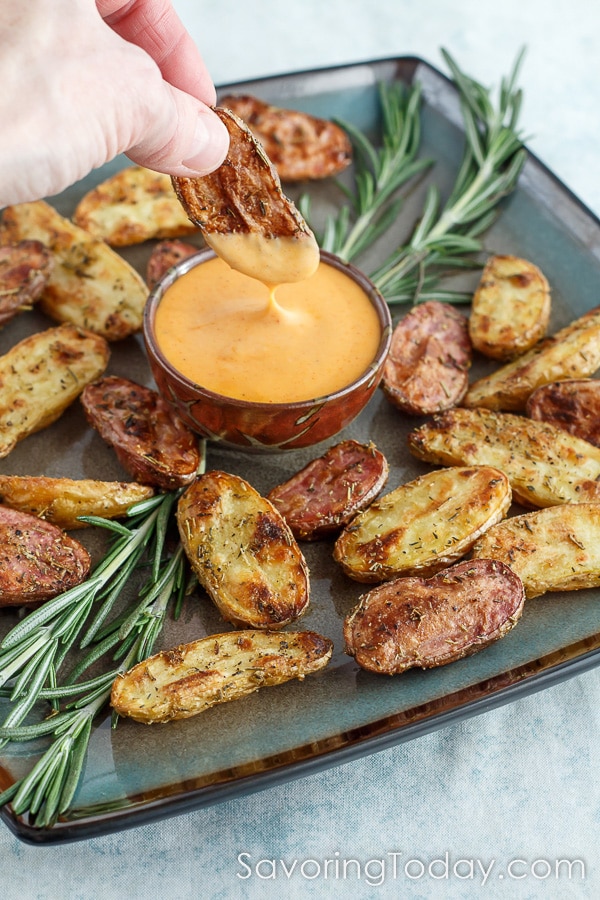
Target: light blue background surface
(519, 783)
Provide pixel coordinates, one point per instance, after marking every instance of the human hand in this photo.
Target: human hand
(83, 81)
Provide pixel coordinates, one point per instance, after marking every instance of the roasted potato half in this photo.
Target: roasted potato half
(545, 465)
(573, 405)
(164, 255)
(62, 500)
(41, 375)
(427, 622)
(573, 352)
(424, 525)
(90, 285)
(24, 272)
(510, 310)
(553, 549)
(242, 552)
(179, 683)
(132, 206)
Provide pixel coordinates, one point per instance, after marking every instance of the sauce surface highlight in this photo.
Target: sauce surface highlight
(230, 334)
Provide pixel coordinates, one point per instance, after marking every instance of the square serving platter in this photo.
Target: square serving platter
(135, 773)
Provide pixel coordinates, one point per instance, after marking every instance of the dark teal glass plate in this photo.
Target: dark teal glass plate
(136, 774)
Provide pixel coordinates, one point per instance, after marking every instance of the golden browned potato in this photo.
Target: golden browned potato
(243, 552)
(90, 286)
(244, 215)
(62, 500)
(164, 255)
(553, 549)
(133, 206)
(299, 145)
(510, 309)
(24, 272)
(573, 404)
(423, 525)
(185, 681)
(573, 352)
(545, 465)
(41, 375)
(427, 622)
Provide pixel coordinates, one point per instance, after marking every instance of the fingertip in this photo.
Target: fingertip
(210, 145)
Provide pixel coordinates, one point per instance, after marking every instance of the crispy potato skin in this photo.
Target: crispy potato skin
(553, 549)
(24, 272)
(545, 465)
(164, 255)
(510, 310)
(327, 493)
(185, 681)
(243, 195)
(41, 375)
(62, 500)
(37, 560)
(90, 285)
(573, 405)
(132, 206)
(242, 552)
(424, 525)
(150, 440)
(299, 145)
(427, 367)
(430, 622)
(573, 352)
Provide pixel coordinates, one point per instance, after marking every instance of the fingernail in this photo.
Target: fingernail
(211, 143)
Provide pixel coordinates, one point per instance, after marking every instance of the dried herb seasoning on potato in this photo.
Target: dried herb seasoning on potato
(90, 285)
(25, 268)
(510, 310)
(423, 525)
(428, 622)
(242, 552)
(573, 404)
(191, 678)
(573, 352)
(42, 375)
(134, 205)
(545, 465)
(244, 215)
(553, 549)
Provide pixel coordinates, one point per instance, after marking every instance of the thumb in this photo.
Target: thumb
(181, 135)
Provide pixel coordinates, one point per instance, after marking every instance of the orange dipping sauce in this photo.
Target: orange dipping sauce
(234, 336)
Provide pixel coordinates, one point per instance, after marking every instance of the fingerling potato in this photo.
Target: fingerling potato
(510, 310)
(185, 681)
(553, 549)
(242, 552)
(424, 525)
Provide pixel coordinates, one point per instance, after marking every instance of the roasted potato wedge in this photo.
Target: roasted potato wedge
(510, 310)
(37, 560)
(244, 215)
(553, 549)
(90, 285)
(424, 525)
(41, 375)
(573, 405)
(185, 681)
(164, 255)
(427, 622)
(24, 272)
(427, 367)
(545, 465)
(150, 440)
(242, 552)
(132, 206)
(62, 500)
(300, 146)
(327, 493)
(573, 352)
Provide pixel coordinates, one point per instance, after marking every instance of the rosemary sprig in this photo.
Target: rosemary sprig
(48, 789)
(447, 236)
(378, 174)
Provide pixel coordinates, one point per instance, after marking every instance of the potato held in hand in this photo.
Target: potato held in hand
(242, 552)
(179, 683)
(418, 622)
